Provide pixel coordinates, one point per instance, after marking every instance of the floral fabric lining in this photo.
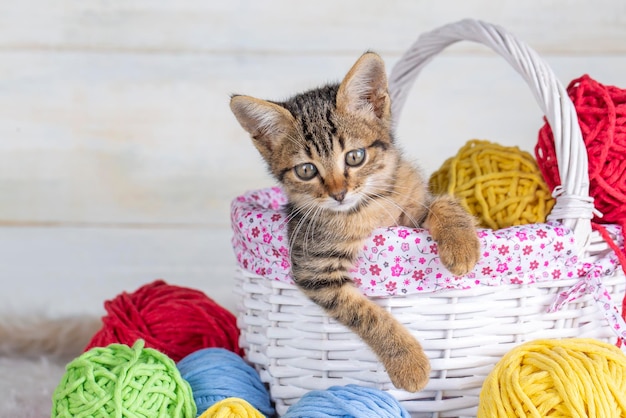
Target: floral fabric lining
(402, 261)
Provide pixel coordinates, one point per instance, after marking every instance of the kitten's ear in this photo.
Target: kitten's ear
(364, 89)
(266, 122)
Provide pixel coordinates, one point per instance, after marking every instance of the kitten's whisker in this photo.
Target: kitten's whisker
(310, 228)
(303, 213)
(309, 208)
(307, 211)
(297, 211)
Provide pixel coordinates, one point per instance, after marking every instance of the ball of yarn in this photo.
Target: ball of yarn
(174, 320)
(232, 408)
(557, 378)
(602, 118)
(215, 374)
(501, 186)
(347, 401)
(120, 381)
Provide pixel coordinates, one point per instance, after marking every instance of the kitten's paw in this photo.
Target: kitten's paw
(460, 251)
(454, 230)
(411, 371)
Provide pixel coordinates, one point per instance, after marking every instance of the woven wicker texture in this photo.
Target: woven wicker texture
(297, 348)
(465, 332)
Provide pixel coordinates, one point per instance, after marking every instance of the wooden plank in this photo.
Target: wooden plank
(149, 139)
(575, 27)
(64, 270)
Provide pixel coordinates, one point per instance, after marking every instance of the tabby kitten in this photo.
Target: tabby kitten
(333, 151)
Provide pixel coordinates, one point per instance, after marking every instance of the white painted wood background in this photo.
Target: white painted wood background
(118, 153)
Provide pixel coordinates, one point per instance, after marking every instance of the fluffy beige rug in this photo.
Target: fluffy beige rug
(26, 386)
(33, 354)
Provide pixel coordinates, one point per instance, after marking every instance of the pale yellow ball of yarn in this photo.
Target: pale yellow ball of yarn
(232, 408)
(574, 377)
(501, 186)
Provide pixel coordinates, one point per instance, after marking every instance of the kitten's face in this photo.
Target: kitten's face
(338, 168)
(331, 147)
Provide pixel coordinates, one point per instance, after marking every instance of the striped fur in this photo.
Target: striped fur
(323, 133)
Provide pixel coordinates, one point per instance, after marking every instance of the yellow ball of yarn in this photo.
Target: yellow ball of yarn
(501, 186)
(575, 377)
(232, 408)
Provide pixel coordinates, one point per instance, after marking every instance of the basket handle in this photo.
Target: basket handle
(574, 208)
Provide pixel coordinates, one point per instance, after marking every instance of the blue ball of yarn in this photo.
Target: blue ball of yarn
(215, 374)
(351, 401)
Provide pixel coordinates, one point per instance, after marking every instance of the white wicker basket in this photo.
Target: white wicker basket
(297, 348)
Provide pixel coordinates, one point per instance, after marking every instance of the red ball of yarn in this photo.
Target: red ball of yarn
(602, 118)
(174, 320)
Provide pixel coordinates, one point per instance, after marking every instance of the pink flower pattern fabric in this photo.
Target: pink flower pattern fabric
(401, 261)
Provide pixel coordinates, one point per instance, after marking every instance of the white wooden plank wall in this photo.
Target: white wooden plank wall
(118, 153)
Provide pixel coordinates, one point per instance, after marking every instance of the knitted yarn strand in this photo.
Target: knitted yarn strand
(557, 378)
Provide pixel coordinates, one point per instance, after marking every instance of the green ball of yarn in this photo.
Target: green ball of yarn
(120, 381)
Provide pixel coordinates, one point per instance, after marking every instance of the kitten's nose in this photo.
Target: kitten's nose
(339, 196)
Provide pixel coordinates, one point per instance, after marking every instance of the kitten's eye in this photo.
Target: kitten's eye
(305, 171)
(355, 157)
